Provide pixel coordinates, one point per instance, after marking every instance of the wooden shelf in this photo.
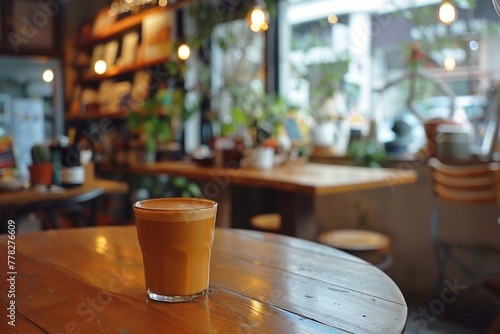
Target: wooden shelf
(128, 23)
(96, 115)
(116, 70)
(115, 31)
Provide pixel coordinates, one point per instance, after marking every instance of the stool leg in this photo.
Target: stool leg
(386, 263)
(442, 254)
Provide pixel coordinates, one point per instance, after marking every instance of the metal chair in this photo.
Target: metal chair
(462, 185)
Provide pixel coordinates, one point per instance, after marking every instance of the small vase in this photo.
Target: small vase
(41, 174)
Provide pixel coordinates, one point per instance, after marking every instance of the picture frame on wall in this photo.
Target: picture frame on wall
(157, 35)
(33, 28)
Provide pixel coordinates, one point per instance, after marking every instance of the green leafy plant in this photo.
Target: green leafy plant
(160, 117)
(185, 188)
(210, 16)
(261, 114)
(154, 186)
(367, 153)
(325, 79)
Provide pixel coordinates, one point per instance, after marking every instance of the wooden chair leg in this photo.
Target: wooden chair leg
(52, 220)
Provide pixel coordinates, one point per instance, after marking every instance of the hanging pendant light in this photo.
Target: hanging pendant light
(48, 75)
(258, 18)
(184, 51)
(447, 12)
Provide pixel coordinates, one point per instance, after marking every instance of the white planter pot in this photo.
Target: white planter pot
(323, 134)
(260, 158)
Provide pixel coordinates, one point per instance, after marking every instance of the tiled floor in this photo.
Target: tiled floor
(440, 327)
(472, 313)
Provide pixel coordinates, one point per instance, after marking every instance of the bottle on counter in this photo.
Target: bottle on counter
(72, 171)
(56, 152)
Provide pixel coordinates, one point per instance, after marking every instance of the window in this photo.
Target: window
(353, 60)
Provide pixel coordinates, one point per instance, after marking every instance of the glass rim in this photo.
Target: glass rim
(213, 204)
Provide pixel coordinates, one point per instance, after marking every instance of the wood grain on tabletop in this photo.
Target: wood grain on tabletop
(93, 279)
(310, 178)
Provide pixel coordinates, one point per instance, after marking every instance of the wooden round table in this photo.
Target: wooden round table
(90, 280)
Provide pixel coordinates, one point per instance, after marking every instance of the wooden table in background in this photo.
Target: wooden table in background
(14, 203)
(296, 186)
(19, 198)
(90, 280)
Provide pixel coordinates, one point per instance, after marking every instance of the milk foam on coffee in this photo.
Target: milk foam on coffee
(174, 209)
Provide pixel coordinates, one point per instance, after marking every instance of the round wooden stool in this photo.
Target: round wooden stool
(269, 222)
(361, 243)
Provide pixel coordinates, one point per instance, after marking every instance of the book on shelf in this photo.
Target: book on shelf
(97, 53)
(129, 49)
(110, 52)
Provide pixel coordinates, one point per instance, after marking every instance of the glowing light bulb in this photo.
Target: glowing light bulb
(333, 19)
(48, 75)
(258, 19)
(183, 52)
(162, 3)
(447, 12)
(450, 63)
(100, 67)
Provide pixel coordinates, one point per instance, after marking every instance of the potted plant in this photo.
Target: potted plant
(367, 153)
(329, 101)
(261, 117)
(157, 121)
(41, 170)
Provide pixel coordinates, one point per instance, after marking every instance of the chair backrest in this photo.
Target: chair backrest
(464, 184)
